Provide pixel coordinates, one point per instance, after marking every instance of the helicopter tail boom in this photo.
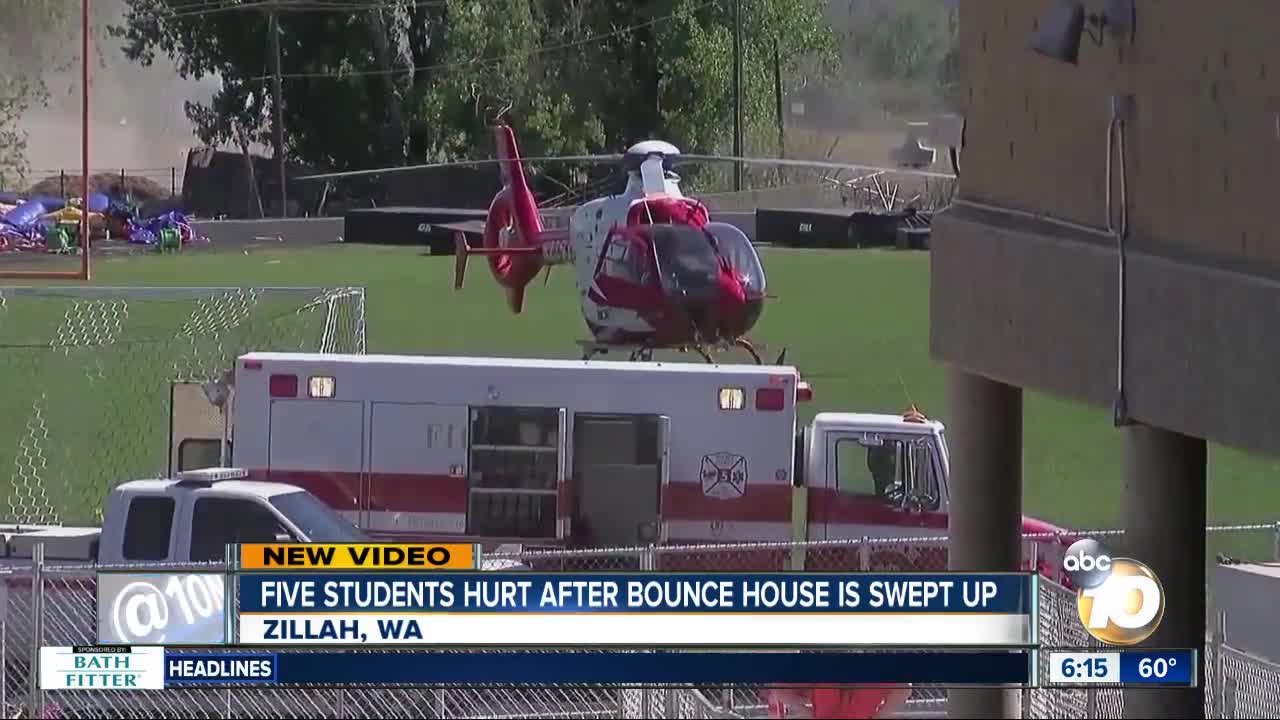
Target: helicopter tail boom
(512, 230)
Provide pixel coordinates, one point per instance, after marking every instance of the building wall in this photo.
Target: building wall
(1036, 304)
(1204, 148)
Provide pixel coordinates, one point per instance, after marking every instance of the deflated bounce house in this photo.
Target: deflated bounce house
(51, 224)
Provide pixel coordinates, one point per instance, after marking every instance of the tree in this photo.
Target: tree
(907, 48)
(408, 81)
(35, 38)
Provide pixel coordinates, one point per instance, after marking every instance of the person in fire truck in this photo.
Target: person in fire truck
(882, 461)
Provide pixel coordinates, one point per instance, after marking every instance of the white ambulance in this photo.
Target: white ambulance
(568, 452)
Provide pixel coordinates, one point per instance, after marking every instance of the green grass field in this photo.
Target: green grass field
(856, 323)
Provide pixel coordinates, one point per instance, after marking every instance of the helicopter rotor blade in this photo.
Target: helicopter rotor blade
(816, 164)
(458, 163)
(676, 159)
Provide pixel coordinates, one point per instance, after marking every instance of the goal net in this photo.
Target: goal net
(85, 377)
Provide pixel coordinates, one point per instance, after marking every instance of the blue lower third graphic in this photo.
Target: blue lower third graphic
(574, 668)
(219, 668)
(1159, 667)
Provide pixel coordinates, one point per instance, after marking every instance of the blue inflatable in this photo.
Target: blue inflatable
(50, 203)
(26, 214)
(98, 202)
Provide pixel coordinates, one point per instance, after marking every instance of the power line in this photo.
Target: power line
(496, 59)
(202, 8)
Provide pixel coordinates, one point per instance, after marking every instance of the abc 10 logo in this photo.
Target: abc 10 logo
(1120, 600)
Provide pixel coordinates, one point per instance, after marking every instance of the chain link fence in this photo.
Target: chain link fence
(54, 605)
(152, 182)
(87, 373)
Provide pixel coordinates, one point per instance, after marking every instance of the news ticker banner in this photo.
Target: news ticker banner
(522, 609)
(151, 668)
(365, 594)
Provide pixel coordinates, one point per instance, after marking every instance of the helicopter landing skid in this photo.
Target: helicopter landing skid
(644, 353)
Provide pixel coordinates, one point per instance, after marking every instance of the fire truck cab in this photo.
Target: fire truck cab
(567, 452)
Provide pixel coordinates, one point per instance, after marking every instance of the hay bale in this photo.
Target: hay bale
(139, 189)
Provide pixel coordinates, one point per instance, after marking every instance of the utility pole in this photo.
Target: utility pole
(277, 114)
(777, 98)
(737, 94)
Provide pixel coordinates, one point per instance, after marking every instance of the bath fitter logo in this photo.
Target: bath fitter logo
(102, 667)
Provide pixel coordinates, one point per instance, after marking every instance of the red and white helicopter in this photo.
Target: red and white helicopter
(653, 271)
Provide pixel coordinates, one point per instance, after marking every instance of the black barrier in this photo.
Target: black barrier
(809, 228)
(406, 226)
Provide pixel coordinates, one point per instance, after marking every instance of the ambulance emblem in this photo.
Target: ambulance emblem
(724, 475)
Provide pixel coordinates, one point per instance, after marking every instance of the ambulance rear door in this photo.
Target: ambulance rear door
(318, 445)
(417, 481)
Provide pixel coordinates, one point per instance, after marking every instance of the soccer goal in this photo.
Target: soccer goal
(87, 375)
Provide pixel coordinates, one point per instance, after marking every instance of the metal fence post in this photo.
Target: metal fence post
(648, 563)
(1216, 672)
(4, 647)
(1275, 542)
(4, 653)
(442, 710)
(37, 629)
(864, 554)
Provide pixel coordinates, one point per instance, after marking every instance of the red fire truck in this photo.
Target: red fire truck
(568, 452)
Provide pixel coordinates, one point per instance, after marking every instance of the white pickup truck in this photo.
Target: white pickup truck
(165, 525)
(186, 520)
(159, 525)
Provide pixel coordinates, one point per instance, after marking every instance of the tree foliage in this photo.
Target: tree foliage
(34, 39)
(907, 44)
(407, 81)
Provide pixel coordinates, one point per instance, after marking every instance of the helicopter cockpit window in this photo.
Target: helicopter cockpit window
(687, 262)
(737, 249)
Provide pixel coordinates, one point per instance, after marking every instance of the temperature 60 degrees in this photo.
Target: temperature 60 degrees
(1155, 667)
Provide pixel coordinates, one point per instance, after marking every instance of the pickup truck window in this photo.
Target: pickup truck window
(217, 522)
(147, 527)
(317, 521)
